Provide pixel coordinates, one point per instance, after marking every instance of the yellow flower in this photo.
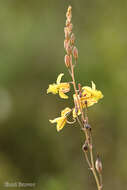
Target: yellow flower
(60, 88)
(92, 93)
(88, 97)
(61, 121)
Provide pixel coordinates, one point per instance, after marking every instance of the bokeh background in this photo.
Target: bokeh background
(31, 57)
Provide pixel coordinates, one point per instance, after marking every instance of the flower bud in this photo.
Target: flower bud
(66, 31)
(69, 14)
(67, 23)
(67, 61)
(75, 53)
(69, 50)
(72, 39)
(66, 43)
(98, 165)
(70, 27)
(68, 11)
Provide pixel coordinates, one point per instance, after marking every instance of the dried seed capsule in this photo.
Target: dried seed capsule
(75, 53)
(87, 126)
(98, 165)
(85, 147)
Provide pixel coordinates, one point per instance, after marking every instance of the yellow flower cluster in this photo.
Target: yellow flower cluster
(61, 121)
(60, 88)
(88, 97)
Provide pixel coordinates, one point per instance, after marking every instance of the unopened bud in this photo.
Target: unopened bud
(75, 53)
(72, 39)
(66, 31)
(68, 11)
(68, 14)
(98, 165)
(70, 27)
(85, 147)
(69, 50)
(67, 61)
(67, 23)
(66, 43)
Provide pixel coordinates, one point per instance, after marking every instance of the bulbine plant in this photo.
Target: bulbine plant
(84, 97)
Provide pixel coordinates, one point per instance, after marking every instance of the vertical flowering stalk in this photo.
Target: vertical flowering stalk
(83, 97)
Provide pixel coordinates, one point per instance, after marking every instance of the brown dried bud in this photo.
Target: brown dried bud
(88, 127)
(85, 147)
(72, 39)
(98, 165)
(75, 53)
(67, 61)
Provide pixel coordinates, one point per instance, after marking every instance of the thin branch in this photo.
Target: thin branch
(93, 168)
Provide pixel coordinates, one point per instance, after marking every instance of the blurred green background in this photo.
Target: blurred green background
(31, 57)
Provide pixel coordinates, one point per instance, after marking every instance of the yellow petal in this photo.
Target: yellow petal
(65, 111)
(98, 94)
(74, 113)
(87, 90)
(62, 95)
(61, 123)
(93, 86)
(53, 88)
(59, 78)
(55, 120)
(64, 86)
(90, 102)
